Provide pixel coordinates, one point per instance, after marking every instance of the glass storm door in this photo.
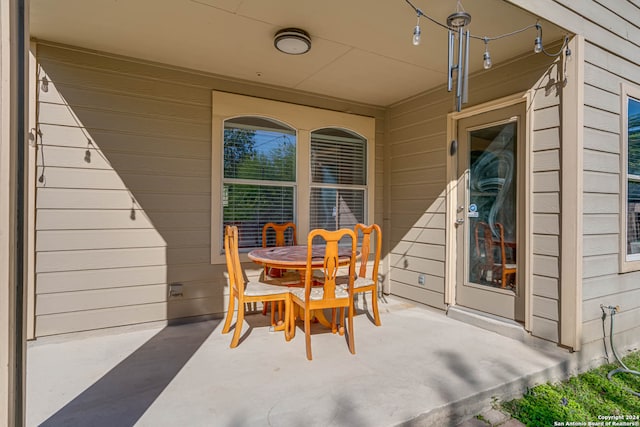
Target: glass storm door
(490, 146)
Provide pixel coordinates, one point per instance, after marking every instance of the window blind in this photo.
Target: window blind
(633, 176)
(338, 179)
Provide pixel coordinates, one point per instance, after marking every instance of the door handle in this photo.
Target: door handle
(459, 221)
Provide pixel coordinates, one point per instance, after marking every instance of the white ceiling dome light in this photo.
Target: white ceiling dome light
(293, 41)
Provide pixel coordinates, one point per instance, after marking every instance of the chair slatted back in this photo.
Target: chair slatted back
(280, 240)
(234, 267)
(280, 231)
(369, 231)
(331, 265)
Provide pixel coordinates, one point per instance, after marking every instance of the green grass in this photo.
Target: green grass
(582, 399)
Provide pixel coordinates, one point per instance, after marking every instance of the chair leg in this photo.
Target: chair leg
(352, 344)
(334, 322)
(340, 321)
(307, 332)
(292, 320)
(273, 313)
(265, 306)
(286, 318)
(374, 303)
(239, 323)
(230, 310)
(504, 279)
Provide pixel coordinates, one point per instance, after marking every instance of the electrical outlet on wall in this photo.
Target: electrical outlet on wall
(421, 279)
(175, 290)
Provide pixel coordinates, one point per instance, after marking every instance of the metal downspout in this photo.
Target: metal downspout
(21, 130)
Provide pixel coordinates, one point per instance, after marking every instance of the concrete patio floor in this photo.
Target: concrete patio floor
(420, 368)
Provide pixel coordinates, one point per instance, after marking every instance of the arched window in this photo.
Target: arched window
(259, 175)
(280, 162)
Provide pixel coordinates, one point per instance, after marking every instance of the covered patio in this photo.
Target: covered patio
(420, 369)
(113, 288)
(129, 198)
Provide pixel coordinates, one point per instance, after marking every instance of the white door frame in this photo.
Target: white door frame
(524, 260)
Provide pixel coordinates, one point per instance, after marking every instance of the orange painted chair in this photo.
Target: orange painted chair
(248, 292)
(368, 282)
(280, 231)
(330, 295)
(285, 235)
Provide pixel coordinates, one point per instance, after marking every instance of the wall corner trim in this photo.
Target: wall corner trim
(571, 249)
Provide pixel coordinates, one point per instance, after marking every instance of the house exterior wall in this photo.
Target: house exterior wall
(416, 168)
(611, 57)
(124, 203)
(603, 283)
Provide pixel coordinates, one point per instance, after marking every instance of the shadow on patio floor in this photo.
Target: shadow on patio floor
(124, 393)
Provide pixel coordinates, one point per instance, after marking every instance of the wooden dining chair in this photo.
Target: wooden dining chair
(248, 292)
(285, 235)
(368, 282)
(330, 295)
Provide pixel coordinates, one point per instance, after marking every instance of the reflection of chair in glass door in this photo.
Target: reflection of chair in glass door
(494, 265)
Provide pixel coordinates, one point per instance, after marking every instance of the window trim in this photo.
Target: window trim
(304, 120)
(628, 262)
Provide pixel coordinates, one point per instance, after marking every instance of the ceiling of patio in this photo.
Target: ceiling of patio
(361, 49)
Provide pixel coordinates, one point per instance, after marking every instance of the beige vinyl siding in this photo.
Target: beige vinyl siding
(417, 173)
(121, 217)
(102, 257)
(545, 203)
(602, 206)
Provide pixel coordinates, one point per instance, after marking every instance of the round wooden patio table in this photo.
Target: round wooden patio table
(295, 258)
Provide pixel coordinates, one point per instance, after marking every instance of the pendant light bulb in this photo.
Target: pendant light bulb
(417, 32)
(416, 35)
(486, 63)
(537, 44)
(486, 58)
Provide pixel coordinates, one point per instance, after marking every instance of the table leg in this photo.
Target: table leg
(319, 315)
